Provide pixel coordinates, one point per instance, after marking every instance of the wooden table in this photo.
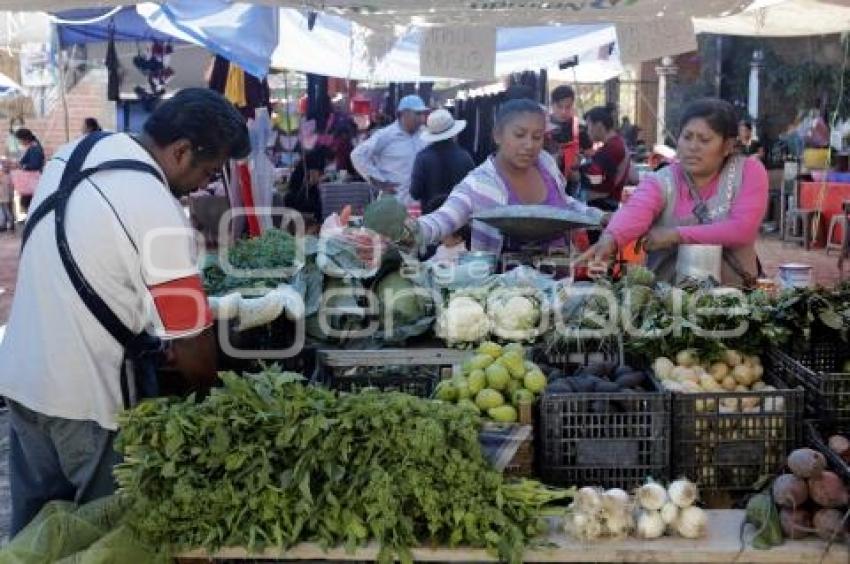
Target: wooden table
(721, 545)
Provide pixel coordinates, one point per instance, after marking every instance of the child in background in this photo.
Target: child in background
(7, 216)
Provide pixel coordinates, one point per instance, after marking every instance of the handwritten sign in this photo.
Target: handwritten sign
(458, 52)
(649, 40)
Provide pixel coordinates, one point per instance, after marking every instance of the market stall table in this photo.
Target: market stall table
(721, 545)
(835, 195)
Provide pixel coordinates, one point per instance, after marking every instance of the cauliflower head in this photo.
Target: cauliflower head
(463, 320)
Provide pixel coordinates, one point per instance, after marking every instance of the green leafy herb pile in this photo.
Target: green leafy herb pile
(274, 249)
(268, 462)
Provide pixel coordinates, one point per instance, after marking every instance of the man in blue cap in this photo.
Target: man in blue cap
(386, 158)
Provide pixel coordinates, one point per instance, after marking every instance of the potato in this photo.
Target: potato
(709, 385)
(682, 373)
(719, 371)
(759, 386)
(732, 358)
(729, 384)
(687, 358)
(743, 375)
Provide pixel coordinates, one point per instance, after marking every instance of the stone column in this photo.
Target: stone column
(756, 64)
(666, 74)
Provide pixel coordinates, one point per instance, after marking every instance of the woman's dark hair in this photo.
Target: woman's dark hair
(746, 123)
(719, 114)
(562, 93)
(206, 119)
(25, 135)
(92, 124)
(601, 114)
(513, 108)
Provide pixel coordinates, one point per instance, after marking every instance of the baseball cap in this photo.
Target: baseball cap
(413, 103)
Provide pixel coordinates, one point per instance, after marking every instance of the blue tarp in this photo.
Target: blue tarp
(129, 26)
(242, 33)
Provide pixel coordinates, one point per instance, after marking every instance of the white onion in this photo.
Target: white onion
(669, 513)
(683, 492)
(588, 500)
(650, 525)
(652, 496)
(692, 523)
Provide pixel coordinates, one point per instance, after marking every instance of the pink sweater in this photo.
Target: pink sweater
(740, 227)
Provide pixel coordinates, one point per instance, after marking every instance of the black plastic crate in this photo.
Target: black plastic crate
(818, 441)
(728, 441)
(412, 371)
(818, 371)
(568, 355)
(580, 444)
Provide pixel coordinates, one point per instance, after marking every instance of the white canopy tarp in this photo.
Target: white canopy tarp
(338, 47)
(786, 18)
(500, 13)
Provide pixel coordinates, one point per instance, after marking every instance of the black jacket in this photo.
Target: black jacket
(33, 158)
(437, 170)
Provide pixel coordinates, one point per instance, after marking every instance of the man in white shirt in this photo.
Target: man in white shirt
(386, 158)
(128, 244)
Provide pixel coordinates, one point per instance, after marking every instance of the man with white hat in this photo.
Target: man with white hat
(386, 158)
(442, 165)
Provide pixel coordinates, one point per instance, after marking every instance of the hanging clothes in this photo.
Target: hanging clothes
(113, 84)
(234, 88)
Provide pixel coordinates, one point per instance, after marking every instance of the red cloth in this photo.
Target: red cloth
(248, 200)
(182, 305)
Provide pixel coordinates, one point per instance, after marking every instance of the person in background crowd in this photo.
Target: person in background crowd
(629, 132)
(32, 159)
(130, 246)
(566, 137)
(303, 190)
(7, 216)
(520, 173)
(747, 144)
(13, 146)
(90, 125)
(710, 196)
(443, 164)
(608, 169)
(386, 158)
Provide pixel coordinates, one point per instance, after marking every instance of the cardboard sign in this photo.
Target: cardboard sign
(458, 52)
(656, 38)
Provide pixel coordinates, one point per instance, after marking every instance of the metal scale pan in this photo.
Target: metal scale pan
(528, 224)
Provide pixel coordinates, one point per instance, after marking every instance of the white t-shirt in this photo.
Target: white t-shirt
(132, 241)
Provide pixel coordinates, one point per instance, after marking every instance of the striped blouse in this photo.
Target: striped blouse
(482, 189)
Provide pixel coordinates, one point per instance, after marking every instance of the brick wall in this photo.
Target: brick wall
(86, 99)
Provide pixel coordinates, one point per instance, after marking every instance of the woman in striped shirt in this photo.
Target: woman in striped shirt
(519, 173)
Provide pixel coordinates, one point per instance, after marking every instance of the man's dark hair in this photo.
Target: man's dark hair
(719, 114)
(514, 108)
(92, 124)
(206, 119)
(746, 123)
(25, 135)
(562, 93)
(601, 114)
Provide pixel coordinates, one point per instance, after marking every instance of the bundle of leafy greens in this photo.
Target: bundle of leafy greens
(268, 462)
(273, 250)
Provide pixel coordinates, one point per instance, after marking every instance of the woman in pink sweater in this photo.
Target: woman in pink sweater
(710, 196)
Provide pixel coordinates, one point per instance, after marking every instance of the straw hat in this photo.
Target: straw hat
(441, 126)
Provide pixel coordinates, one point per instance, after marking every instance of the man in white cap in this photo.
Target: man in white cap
(386, 158)
(442, 165)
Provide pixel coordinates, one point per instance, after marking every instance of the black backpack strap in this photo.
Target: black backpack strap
(57, 202)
